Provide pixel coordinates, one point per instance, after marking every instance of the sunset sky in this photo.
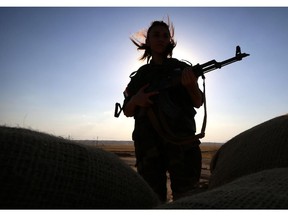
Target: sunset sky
(62, 69)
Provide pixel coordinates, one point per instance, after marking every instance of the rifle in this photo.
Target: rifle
(199, 70)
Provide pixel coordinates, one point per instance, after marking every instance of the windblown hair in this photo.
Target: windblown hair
(145, 33)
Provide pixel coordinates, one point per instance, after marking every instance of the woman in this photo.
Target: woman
(164, 115)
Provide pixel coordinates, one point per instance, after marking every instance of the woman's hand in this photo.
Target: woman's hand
(190, 82)
(188, 78)
(142, 98)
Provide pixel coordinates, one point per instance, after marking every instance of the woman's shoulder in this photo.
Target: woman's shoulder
(182, 63)
(137, 74)
(142, 69)
(174, 62)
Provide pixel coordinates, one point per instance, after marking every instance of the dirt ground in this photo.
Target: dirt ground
(126, 153)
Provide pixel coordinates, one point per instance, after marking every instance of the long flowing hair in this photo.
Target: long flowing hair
(144, 34)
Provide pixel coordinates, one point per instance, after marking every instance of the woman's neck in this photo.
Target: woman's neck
(158, 59)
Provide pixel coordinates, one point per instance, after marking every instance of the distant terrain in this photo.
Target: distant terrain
(127, 142)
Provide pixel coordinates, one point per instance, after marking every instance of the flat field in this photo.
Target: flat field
(125, 151)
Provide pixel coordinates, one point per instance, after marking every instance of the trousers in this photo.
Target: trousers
(156, 158)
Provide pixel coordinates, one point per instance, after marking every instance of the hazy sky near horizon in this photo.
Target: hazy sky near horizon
(63, 69)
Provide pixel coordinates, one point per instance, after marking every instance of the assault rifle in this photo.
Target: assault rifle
(199, 70)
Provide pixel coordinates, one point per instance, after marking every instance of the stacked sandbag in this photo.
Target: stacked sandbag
(262, 147)
(40, 171)
(266, 189)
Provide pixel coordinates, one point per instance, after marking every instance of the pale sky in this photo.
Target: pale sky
(63, 69)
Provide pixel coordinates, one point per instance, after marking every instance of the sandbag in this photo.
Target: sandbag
(266, 189)
(40, 171)
(264, 146)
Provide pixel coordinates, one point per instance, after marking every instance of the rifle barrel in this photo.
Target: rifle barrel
(212, 65)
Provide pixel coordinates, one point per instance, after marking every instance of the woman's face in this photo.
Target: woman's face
(158, 39)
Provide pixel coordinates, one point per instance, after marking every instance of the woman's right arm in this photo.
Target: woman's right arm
(141, 99)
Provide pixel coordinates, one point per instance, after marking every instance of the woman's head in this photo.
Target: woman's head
(159, 39)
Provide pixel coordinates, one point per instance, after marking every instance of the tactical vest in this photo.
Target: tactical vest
(172, 113)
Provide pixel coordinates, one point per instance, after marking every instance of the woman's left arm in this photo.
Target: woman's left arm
(190, 82)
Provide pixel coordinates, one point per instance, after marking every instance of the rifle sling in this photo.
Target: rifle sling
(165, 132)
